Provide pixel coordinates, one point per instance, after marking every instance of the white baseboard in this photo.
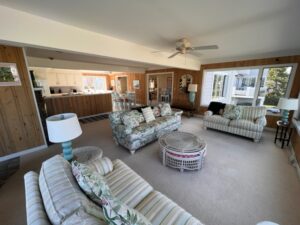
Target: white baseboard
(27, 151)
(293, 160)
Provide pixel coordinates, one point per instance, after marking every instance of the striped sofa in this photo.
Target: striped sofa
(250, 124)
(54, 197)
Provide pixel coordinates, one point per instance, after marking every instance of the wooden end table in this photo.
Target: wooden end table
(283, 133)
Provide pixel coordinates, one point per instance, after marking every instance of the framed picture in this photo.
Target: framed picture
(136, 84)
(9, 75)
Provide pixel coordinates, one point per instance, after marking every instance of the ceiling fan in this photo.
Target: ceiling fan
(183, 46)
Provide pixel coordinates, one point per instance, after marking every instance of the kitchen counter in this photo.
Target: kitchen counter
(82, 104)
(74, 94)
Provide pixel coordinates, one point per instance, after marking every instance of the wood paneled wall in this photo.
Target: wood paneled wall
(140, 93)
(296, 145)
(19, 124)
(180, 98)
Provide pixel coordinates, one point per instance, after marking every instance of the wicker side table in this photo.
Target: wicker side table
(182, 150)
(86, 153)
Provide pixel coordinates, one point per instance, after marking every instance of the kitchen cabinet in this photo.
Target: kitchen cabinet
(60, 79)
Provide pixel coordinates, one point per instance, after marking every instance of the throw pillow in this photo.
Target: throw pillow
(102, 165)
(148, 114)
(115, 212)
(80, 171)
(130, 119)
(165, 109)
(232, 112)
(156, 111)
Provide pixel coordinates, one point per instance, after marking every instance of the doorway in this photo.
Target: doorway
(159, 88)
(121, 85)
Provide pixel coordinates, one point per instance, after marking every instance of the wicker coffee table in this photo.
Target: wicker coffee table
(182, 150)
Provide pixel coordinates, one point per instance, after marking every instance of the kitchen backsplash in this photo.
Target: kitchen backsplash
(64, 89)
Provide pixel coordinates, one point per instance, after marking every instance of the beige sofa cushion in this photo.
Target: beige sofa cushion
(61, 194)
(246, 125)
(217, 119)
(252, 113)
(160, 210)
(126, 185)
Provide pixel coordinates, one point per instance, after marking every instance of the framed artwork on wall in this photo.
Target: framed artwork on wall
(136, 84)
(9, 75)
(184, 82)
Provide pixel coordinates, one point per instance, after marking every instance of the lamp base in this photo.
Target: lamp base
(67, 150)
(285, 116)
(192, 96)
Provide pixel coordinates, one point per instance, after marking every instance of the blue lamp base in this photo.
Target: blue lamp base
(192, 96)
(67, 150)
(285, 116)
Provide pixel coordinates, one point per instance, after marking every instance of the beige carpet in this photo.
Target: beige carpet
(241, 183)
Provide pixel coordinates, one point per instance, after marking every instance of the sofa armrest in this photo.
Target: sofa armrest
(261, 121)
(122, 130)
(35, 210)
(177, 112)
(208, 113)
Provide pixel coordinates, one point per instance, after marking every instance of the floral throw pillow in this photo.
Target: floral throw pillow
(156, 111)
(232, 112)
(131, 119)
(115, 212)
(165, 109)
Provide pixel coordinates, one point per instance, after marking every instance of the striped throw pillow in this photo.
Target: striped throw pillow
(101, 165)
(148, 114)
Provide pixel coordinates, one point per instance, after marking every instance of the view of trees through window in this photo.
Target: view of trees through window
(276, 83)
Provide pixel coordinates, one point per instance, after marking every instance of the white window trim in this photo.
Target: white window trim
(260, 74)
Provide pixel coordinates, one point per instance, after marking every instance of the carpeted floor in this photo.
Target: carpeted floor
(242, 182)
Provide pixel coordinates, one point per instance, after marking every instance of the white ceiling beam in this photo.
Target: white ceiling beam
(73, 65)
(30, 30)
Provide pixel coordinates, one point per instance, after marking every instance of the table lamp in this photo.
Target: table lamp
(192, 89)
(63, 128)
(287, 104)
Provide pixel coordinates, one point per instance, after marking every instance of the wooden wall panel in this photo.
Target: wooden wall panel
(180, 98)
(296, 145)
(82, 105)
(140, 93)
(19, 124)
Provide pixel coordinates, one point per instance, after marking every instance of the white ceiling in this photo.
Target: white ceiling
(242, 29)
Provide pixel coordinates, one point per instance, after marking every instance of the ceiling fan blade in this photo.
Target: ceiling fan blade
(157, 51)
(205, 47)
(173, 55)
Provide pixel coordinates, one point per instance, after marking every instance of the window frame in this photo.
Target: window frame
(259, 78)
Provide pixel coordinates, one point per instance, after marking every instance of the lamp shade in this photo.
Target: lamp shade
(288, 103)
(63, 127)
(192, 87)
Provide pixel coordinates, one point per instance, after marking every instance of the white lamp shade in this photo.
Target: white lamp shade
(288, 103)
(192, 87)
(63, 127)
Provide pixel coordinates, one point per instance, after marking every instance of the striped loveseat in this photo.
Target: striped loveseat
(54, 197)
(250, 124)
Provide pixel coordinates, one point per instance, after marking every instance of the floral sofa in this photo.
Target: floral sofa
(54, 197)
(246, 121)
(144, 133)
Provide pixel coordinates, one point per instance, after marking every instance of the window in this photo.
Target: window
(260, 86)
(273, 85)
(94, 83)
